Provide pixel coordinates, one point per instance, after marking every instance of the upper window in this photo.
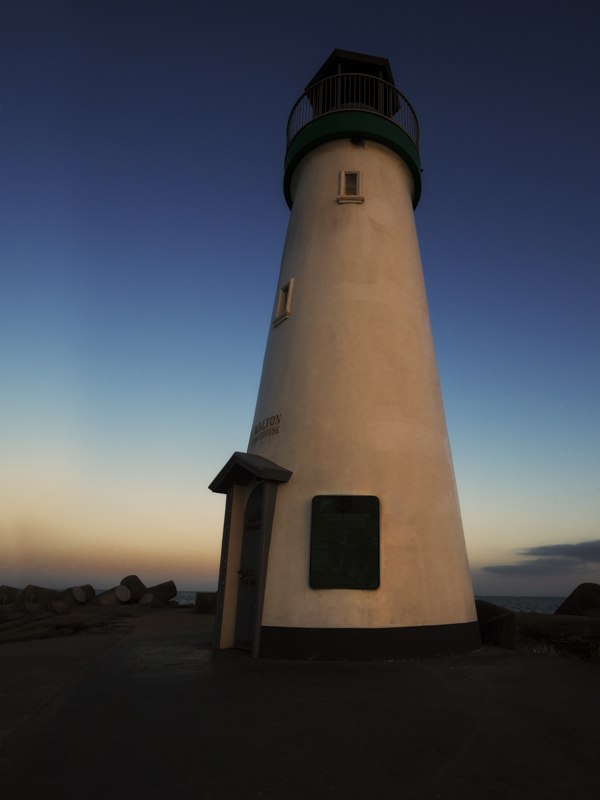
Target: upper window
(351, 179)
(284, 301)
(350, 187)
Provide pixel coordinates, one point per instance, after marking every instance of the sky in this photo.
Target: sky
(142, 223)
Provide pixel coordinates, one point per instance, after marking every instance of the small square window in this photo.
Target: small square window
(350, 187)
(284, 300)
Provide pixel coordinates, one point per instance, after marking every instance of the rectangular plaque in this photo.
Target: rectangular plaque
(344, 542)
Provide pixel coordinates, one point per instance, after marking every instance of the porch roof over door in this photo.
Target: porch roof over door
(243, 467)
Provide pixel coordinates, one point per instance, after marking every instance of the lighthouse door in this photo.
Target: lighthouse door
(248, 572)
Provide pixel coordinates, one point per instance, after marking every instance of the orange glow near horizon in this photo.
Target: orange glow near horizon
(68, 535)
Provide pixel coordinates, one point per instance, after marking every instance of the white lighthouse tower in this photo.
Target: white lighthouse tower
(343, 536)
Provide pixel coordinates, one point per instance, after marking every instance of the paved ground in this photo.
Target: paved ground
(34, 674)
(158, 714)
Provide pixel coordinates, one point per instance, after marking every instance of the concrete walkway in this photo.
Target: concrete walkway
(158, 715)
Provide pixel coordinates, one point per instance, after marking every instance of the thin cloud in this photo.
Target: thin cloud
(584, 551)
(540, 566)
(553, 559)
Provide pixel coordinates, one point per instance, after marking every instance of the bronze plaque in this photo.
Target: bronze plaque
(344, 542)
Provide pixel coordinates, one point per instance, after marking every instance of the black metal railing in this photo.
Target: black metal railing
(353, 92)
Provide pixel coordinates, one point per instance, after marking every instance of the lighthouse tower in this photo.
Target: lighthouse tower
(343, 536)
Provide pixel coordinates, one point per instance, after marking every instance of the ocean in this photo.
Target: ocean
(185, 597)
(543, 605)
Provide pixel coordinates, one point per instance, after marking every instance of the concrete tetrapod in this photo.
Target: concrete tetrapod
(574, 637)
(8, 594)
(584, 601)
(135, 586)
(206, 602)
(37, 594)
(113, 597)
(89, 590)
(151, 600)
(164, 591)
(74, 596)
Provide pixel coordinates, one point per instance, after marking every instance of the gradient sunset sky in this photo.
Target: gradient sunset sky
(143, 221)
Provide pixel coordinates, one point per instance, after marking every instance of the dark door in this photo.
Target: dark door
(248, 572)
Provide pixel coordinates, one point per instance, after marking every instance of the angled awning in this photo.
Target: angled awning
(243, 467)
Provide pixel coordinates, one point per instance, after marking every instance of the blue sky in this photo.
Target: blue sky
(143, 221)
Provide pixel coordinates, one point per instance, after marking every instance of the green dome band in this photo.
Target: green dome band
(344, 125)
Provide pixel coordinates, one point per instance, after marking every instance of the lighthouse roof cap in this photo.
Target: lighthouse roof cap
(349, 61)
(243, 467)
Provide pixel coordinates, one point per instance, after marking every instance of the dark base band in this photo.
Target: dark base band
(368, 644)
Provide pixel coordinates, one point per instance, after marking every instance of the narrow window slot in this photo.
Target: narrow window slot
(283, 298)
(351, 183)
(284, 302)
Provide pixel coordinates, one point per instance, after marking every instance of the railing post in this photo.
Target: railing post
(353, 90)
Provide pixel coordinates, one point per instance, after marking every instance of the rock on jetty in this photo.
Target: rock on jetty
(206, 603)
(74, 595)
(38, 613)
(573, 631)
(155, 596)
(583, 602)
